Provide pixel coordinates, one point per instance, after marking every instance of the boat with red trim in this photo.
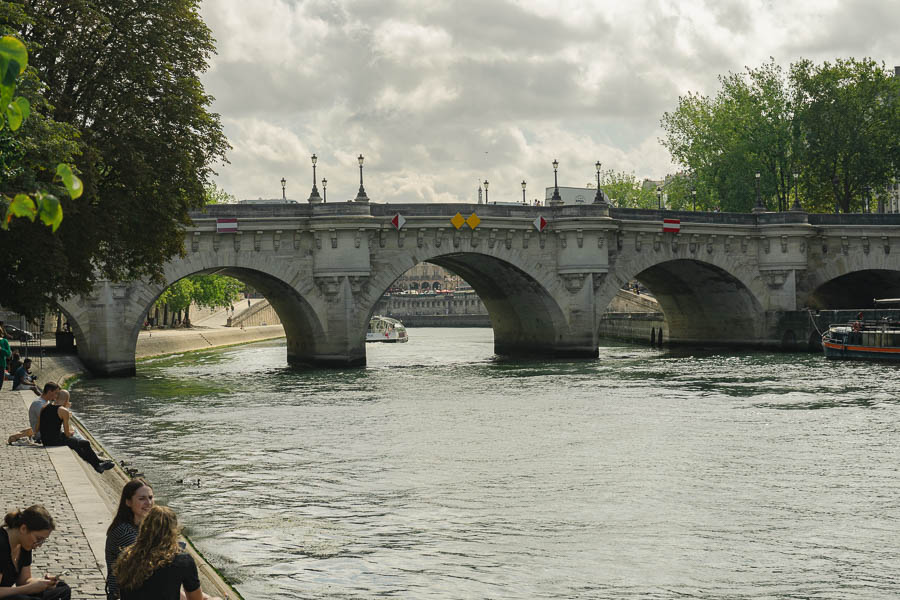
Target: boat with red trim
(864, 339)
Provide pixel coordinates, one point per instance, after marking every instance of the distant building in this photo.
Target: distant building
(427, 277)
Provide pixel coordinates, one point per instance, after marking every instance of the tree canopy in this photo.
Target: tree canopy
(210, 291)
(835, 125)
(114, 89)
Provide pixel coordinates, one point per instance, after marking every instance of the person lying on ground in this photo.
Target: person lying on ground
(24, 380)
(24, 531)
(156, 567)
(134, 504)
(56, 430)
(51, 390)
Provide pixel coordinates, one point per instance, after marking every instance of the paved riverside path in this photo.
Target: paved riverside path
(29, 476)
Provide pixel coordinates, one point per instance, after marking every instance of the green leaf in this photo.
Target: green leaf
(15, 53)
(14, 115)
(50, 211)
(20, 206)
(24, 106)
(72, 183)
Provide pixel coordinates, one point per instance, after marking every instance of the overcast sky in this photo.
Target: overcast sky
(439, 95)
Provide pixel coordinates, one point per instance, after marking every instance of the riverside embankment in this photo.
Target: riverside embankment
(81, 500)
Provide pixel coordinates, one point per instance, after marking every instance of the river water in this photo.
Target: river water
(441, 472)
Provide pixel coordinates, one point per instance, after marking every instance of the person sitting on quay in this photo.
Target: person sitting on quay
(24, 380)
(14, 363)
(156, 567)
(5, 354)
(134, 504)
(24, 531)
(56, 430)
(51, 390)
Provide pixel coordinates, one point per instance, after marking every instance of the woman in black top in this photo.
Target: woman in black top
(26, 530)
(155, 568)
(134, 504)
(55, 429)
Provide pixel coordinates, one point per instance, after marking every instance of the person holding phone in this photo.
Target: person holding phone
(24, 531)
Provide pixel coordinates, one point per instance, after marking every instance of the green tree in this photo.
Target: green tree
(625, 190)
(747, 128)
(216, 195)
(836, 125)
(850, 123)
(210, 291)
(124, 77)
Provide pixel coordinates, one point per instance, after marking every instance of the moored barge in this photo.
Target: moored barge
(864, 339)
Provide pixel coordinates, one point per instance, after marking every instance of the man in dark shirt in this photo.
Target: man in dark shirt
(55, 429)
(24, 380)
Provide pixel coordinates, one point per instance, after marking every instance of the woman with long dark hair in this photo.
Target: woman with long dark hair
(155, 567)
(134, 504)
(24, 531)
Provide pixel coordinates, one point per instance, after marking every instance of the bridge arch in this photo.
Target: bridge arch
(709, 300)
(524, 307)
(112, 352)
(841, 288)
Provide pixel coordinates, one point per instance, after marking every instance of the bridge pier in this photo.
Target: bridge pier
(105, 329)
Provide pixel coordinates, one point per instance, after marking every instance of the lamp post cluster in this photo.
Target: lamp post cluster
(556, 198)
(314, 197)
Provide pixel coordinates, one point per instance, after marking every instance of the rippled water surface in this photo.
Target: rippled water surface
(441, 472)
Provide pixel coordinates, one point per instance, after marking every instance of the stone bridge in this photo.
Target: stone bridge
(727, 279)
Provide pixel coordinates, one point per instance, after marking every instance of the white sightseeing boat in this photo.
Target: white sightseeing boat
(385, 329)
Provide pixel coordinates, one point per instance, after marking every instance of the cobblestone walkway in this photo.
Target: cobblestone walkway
(28, 477)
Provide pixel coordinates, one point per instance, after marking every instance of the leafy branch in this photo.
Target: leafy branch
(15, 110)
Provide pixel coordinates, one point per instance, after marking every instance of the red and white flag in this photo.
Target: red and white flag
(226, 225)
(398, 221)
(540, 223)
(671, 225)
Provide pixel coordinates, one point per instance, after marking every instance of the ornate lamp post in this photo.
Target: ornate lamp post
(868, 196)
(693, 199)
(598, 198)
(361, 195)
(556, 199)
(283, 192)
(324, 193)
(759, 208)
(314, 197)
(486, 191)
(658, 198)
(523, 192)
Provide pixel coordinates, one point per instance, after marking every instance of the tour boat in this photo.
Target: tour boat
(385, 329)
(876, 339)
